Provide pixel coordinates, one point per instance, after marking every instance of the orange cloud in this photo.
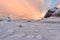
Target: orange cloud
(21, 9)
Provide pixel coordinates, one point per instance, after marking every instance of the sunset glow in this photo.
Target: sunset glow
(22, 9)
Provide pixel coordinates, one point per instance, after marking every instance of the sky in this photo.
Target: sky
(25, 9)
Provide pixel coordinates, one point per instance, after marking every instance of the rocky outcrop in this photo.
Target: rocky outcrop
(53, 12)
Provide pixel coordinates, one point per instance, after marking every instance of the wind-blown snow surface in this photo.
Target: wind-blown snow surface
(46, 29)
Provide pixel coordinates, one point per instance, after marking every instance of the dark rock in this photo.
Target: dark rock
(29, 21)
(50, 12)
(1, 19)
(20, 26)
(9, 19)
(57, 15)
